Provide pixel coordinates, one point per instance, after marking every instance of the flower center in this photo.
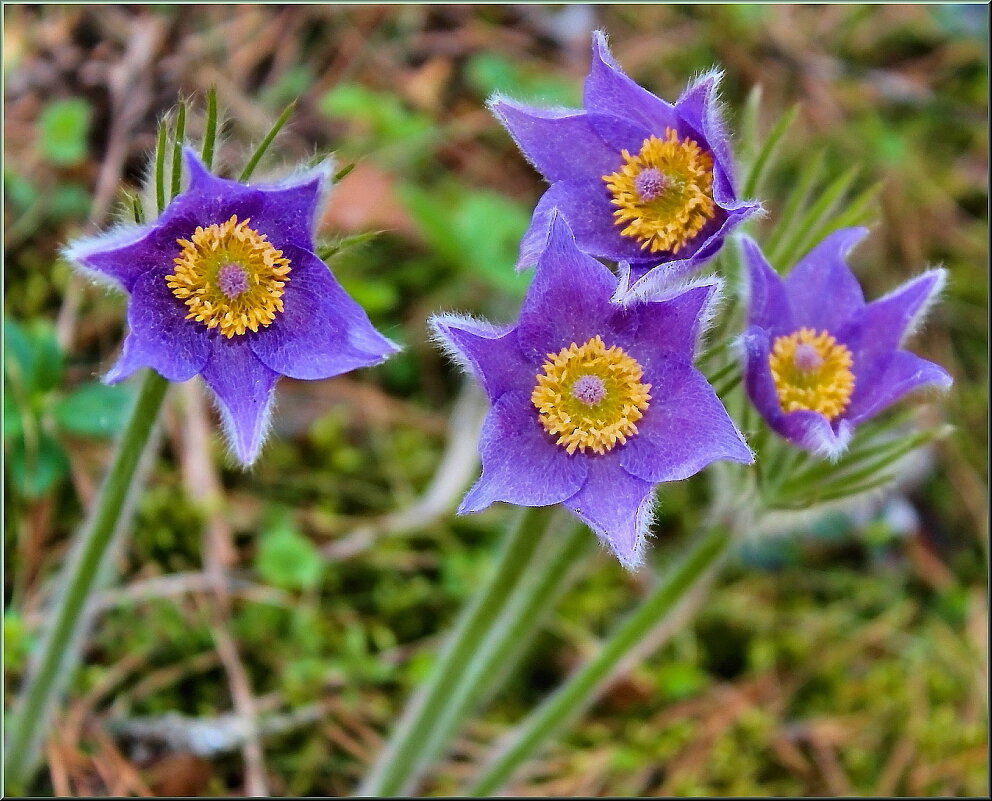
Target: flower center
(232, 280)
(589, 389)
(664, 194)
(812, 371)
(230, 277)
(590, 396)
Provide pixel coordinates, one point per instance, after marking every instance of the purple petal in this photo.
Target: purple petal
(617, 507)
(768, 306)
(758, 375)
(559, 143)
(289, 209)
(123, 255)
(619, 134)
(161, 337)
(244, 388)
(813, 432)
(883, 324)
(699, 109)
(520, 462)
(608, 90)
(568, 300)
(822, 291)
(889, 379)
(209, 199)
(322, 331)
(684, 429)
(489, 353)
(660, 329)
(585, 205)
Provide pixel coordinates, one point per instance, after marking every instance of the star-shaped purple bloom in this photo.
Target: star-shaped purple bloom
(575, 148)
(683, 429)
(320, 331)
(821, 294)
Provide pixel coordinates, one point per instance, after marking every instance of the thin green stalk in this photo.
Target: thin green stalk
(545, 579)
(256, 157)
(177, 150)
(52, 668)
(581, 688)
(404, 752)
(210, 129)
(160, 167)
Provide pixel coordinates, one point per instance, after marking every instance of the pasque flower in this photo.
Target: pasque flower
(819, 360)
(593, 403)
(225, 284)
(641, 182)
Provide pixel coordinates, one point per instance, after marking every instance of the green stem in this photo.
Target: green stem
(404, 753)
(54, 663)
(493, 662)
(582, 687)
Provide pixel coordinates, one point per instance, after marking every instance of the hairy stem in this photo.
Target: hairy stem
(579, 690)
(54, 662)
(405, 753)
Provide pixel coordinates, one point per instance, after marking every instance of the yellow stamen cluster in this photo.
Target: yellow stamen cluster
(199, 273)
(598, 421)
(817, 378)
(665, 218)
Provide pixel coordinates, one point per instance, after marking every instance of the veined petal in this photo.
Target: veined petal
(768, 306)
(617, 507)
(568, 300)
(488, 352)
(290, 208)
(670, 327)
(890, 378)
(822, 291)
(684, 429)
(884, 323)
(559, 143)
(608, 90)
(243, 387)
(520, 463)
(322, 331)
(160, 336)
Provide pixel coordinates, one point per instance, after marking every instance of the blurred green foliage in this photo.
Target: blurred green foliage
(62, 130)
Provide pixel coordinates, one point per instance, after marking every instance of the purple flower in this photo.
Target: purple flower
(593, 403)
(819, 360)
(640, 181)
(225, 284)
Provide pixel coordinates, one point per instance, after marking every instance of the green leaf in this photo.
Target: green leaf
(384, 115)
(794, 204)
(36, 467)
(474, 231)
(32, 357)
(18, 190)
(95, 410)
(488, 72)
(803, 236)
(288, 560)
(62, 130)
(752, 181)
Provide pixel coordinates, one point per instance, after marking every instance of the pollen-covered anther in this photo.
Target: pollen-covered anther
(664, 193)
(812, 371)
(590, 396)
(230, 277)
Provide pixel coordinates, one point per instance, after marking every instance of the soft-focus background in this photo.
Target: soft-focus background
(846, 658)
